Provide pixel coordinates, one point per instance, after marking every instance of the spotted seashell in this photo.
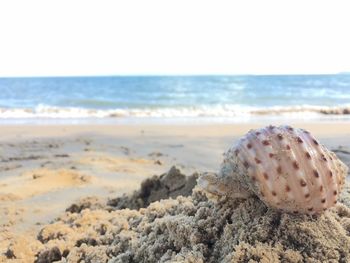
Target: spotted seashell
(286, 168)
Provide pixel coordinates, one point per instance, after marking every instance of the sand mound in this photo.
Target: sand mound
(168, 185)
(193, 229)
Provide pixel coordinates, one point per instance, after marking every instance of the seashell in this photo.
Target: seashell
(287, 168)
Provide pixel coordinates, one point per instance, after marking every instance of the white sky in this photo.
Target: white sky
(81, 37)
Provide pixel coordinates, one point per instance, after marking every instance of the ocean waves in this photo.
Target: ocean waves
(191, 98)
(219, 111)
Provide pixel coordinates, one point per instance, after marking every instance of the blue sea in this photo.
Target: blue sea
(174, 98)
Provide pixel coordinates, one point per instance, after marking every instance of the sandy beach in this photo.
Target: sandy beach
(46, 169)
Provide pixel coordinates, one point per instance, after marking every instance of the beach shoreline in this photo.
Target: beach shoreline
(56, 129)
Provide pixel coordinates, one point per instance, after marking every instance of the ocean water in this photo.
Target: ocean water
(164, 98)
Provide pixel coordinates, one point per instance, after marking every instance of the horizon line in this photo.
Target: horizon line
(174, 75)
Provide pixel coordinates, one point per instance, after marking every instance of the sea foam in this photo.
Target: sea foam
(46, 111)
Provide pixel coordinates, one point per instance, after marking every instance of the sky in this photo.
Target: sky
(173, 37)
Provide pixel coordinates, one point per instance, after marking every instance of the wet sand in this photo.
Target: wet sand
(46, 169)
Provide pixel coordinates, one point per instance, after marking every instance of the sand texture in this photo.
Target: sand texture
(190, 229)
(127, 214)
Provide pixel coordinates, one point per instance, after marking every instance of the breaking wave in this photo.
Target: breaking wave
(223, 111)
